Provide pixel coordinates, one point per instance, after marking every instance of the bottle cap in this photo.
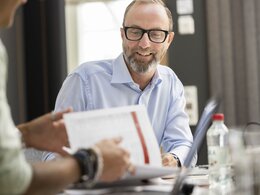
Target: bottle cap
(218, 117)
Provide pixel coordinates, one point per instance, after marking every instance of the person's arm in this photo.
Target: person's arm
(51, 177)
(177, 129)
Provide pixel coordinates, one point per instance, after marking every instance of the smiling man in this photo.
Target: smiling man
(136, 77)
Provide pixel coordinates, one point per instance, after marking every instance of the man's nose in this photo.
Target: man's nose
(144, 42)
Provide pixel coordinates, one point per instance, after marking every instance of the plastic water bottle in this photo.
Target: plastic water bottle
(218, 153)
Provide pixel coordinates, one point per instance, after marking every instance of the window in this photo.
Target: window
(93, 30)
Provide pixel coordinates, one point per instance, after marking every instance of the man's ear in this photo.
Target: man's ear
(170, 37)
(122, 33)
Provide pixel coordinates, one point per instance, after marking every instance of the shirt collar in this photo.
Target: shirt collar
(157, 79)
(121, 73)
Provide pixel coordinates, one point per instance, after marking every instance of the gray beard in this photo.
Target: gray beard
(139, 68)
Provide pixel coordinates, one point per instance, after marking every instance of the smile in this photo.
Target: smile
(144, 54)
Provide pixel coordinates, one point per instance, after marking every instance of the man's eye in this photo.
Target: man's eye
(136, 32)
(156, 34)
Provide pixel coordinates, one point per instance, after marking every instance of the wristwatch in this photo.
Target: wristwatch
(88, 163)
(177, 159)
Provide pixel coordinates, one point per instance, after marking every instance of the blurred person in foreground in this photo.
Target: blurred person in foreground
(105, 161)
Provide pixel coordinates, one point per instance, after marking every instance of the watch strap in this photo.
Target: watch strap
(88, 163)
(177, 159)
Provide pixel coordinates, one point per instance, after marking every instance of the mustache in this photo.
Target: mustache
(141, 50)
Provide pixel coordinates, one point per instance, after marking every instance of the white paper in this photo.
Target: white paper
(147, 172)
(132, 124)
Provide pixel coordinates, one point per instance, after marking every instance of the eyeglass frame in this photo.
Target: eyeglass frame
(145, 31)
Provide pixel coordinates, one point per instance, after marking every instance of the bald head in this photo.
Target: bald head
(158, 2)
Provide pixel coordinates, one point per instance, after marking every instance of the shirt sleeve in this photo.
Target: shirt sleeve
(178, 137)
(15, 172)
(73, 93)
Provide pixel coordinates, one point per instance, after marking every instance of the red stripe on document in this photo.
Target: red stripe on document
(141, 137)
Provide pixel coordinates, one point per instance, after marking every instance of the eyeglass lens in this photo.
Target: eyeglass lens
(135, 34)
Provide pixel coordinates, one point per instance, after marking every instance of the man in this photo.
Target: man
(106, 161)
(135, 77)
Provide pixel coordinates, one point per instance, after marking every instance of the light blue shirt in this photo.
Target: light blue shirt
(108, 83)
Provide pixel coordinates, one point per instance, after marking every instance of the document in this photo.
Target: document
(132, 124)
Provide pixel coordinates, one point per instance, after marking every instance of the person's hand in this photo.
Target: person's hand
(46, 132)
(168, 160)
(116, 160)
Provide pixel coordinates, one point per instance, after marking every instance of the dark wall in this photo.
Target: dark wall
(45, 53)
(188, 58)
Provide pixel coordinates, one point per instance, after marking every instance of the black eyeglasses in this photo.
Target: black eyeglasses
(136, 34)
